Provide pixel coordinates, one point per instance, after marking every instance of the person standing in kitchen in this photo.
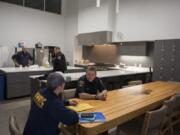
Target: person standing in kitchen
(22, 58)
(59, 61)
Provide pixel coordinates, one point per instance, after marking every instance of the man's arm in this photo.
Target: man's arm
(14, 57)
(64, 62)
(102, 89)
(61, 114)
(87, 96)
(30, 59)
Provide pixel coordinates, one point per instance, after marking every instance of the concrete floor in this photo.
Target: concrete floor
(20, 109)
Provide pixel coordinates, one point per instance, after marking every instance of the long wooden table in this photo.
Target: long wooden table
(125, 104)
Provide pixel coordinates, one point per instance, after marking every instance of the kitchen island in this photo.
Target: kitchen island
(113, 79)
(17, 82)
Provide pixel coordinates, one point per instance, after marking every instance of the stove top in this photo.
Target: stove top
(103, 66)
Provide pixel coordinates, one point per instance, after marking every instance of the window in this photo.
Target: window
(18, 2)
(53, 6)
(36, 4)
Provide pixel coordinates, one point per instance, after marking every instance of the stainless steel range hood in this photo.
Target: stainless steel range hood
(95, 38)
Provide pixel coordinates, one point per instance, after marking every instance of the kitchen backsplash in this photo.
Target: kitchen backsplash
(111, 54)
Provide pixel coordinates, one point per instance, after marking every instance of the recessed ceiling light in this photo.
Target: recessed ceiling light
(117, 6)
(98, 3)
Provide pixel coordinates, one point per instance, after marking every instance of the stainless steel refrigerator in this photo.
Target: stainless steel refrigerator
(6, 53)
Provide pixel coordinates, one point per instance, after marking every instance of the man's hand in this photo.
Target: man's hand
(73, 102)
(102, 95)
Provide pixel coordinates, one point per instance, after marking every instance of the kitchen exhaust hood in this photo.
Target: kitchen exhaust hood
(95, 38)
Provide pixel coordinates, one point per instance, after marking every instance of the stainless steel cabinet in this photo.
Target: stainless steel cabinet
(141, 48)
(18, 83)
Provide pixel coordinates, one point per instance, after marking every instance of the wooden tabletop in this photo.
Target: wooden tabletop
(125, 104)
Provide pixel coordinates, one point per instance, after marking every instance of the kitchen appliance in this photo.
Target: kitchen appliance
(5, 56)
(103, 66)
(50, 52)
(41, 56)
(95, 38)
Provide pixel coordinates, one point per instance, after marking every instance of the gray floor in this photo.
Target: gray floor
(20, 109)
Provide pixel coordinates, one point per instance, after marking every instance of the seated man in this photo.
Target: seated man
(47, 110)
(90, 86)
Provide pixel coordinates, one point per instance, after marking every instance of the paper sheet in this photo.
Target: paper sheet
(81, 107)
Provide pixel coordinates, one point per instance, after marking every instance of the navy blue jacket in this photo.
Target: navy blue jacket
(46, 112)
(22, 58)
(59, 63)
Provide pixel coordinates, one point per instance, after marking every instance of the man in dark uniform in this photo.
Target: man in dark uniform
(22, 58)
(47, 110)
(90, 86)
(59, 62)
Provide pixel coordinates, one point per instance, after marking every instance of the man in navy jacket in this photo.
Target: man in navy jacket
(47, 110)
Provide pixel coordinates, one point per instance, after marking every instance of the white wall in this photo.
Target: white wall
(18, 23)
(148, 19)
(72, 50)
(137, 20)
(91, 18)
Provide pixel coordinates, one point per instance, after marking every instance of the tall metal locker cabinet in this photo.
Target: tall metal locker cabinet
(166, 60)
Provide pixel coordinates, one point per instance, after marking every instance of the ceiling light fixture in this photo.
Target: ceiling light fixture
(98, 3)
(117, 6)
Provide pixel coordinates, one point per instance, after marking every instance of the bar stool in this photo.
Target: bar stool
(13, 126)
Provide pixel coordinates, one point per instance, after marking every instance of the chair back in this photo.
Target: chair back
(154, 120)
(69, 93)
(171, 105)
(13, 126)
(177, 102)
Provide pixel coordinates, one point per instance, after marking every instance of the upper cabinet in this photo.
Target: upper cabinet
(137, 48)
(53, 6)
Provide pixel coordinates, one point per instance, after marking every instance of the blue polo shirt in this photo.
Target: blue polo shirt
(46, 112)
(22, 58)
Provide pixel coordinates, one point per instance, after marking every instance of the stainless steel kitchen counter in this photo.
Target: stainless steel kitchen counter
(33, 69)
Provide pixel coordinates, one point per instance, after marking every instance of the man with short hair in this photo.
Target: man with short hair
(22, 58)
(47, 110)
(59, 61)
(90, 86)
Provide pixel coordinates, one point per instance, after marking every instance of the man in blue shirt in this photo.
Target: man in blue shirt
(47, 110)
(22, 58)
